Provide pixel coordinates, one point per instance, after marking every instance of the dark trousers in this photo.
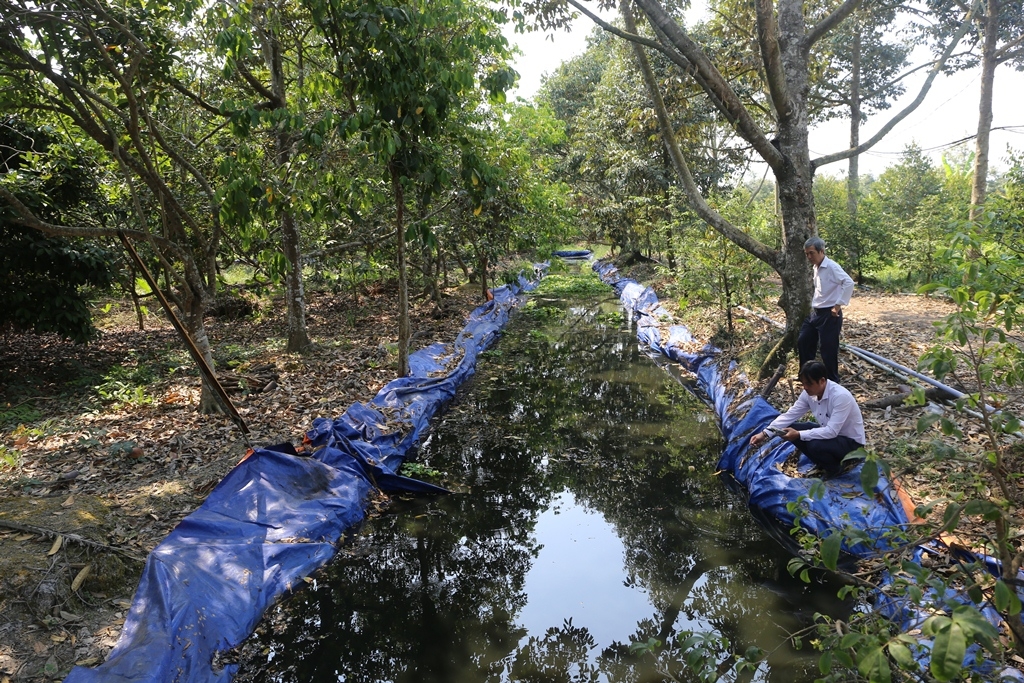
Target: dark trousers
(824, 328)
(827, 454)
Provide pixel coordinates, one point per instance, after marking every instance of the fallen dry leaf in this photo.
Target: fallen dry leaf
(57, 543)
(81, 577)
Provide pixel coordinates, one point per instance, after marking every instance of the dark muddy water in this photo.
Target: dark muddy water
(587, 516)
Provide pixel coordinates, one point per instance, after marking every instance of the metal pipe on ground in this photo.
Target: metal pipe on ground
(761, 317)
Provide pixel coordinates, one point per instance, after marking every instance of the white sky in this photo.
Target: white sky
(949, 113)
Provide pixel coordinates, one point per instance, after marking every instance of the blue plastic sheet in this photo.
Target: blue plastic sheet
(742, 413)
(573, 254)
(277, 516)
(769, 492)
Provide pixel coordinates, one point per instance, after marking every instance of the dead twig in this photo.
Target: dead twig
(74, 538)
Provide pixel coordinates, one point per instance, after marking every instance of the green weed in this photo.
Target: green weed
(538, 312)
(418, 470)
(610, 318)
(126, 385)
(19, 414)
(10, 458)
(584, 283)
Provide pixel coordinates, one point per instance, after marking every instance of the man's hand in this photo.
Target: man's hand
(758, 439)
(837, 310)
(790, 434)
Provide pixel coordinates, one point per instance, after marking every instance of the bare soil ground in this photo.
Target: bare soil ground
(90, 484)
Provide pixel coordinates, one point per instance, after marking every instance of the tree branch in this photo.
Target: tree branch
(768, 42)
(830, 22)
(714, 83)
(27, 218)
(696, 200)
(846, 154)
(256, 85)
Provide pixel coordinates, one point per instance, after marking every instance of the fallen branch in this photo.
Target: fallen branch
(934, 394)
(74, 538)
(770, 386)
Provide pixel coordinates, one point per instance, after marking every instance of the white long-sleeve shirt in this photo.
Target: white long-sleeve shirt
(831, 285)
(837, 412)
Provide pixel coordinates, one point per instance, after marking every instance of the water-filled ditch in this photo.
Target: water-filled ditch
(587, 517)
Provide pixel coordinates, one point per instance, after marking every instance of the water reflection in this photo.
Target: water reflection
(588, 517)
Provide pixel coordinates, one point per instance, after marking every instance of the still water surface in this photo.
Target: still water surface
(586, 517)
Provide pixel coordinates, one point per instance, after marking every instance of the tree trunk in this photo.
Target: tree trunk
(853, 176)
(298, 334)
(979, 185)
(195, 310)
(794, 180)
(403, 276)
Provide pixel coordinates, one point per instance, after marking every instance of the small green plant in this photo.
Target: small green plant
(126, 385)
(417, 470)
(19, 414)
(539, 312)
(10, 458)
(610, 318)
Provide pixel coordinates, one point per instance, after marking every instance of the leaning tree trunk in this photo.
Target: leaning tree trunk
(979, 185)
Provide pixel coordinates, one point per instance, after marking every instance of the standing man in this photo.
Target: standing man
(832, 290)
(839, 429)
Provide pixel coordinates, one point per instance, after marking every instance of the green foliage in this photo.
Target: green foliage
(126, 385)
(984, 268)
(10, 458)
(23, 413)
(861, 247)
(582, 284)
(538, 312)
(697, 656)
(908, 216)
(417, 470)
(715, 270)
(45, 281)
(614, 158)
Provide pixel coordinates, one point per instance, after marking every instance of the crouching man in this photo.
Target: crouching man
(840, 426)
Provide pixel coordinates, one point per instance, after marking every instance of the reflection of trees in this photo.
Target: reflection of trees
(432, 594)
(561, 656)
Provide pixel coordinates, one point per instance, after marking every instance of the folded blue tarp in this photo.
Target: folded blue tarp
(277, 516)
(757, 471)
(573, 254)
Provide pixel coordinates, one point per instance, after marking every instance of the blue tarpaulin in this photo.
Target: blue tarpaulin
(573, 254)
(278, 515)
(769, 492)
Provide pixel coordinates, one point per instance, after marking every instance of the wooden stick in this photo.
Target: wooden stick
(933, 393)
(74, 538)
(773, 381)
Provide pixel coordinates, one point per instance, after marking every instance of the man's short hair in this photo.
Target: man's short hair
(812, 372)
(816, 242)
